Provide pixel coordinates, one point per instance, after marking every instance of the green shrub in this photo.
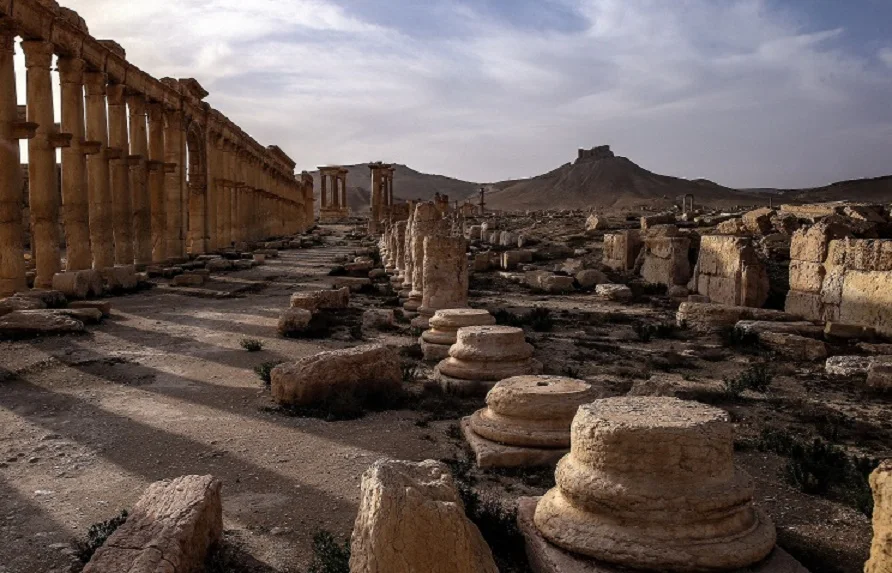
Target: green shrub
(252, 344)
(757, 377)
(97, 535)
(329, 556)
(264, 371)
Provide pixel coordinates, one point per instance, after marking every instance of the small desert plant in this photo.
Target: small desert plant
(252, 344)
(410, 372)
(757, 377)
(329, 555)
(644, 331)
(264, 371)
(740, 340)
(821, 468)
(97, 535)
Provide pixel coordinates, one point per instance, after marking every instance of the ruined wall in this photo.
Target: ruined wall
(729, 271)
(621, 249)
(666, 260)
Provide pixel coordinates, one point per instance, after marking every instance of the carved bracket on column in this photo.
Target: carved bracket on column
(114, 153)
(152, 165)
(134, 160)
(24, 130)
(170, 167)
(91, 147)
(58, 140)
(223, 182)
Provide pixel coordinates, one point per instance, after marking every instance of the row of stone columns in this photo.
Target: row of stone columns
(124, 197)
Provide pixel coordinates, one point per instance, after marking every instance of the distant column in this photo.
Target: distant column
(142, 205)
(173, 184)
(12, 248)
(101, 229)
(75, 197)
(323, 193)
(45, 200)
(119, 169)
(156, 178)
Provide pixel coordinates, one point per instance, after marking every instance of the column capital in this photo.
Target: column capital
(95, 83)
(38, 53)
(71, 70)
(116, 94)
(137, 103)
(155, 111)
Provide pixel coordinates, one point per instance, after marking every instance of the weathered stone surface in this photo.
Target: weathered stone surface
(547, 558)
(483, 355)
(354, 284)
(170, 529)
(102, 306)
(839, 331)
(729, 271)
(675, 386)
(219, 265)
(445, 277)
(28, 323)
(314, 379)
(533, 411)
(623, 497)
(556, 284)
(793, 346)
(591, 278)
(621, 249)
(661, 219)
(867, 300)
(879, 374)
(321, 299)
(595, 223)
(188, 280)
(707, 316)
(666, 260)
(411, 520)
(444, 325)
(510, 259)
(294, 321)
(800, 327)
(848, 366)
(616, 293)
(378, 318)
(489, 454)
(16, 302)
(533, 279)
(758, 222)
(73, 284)
(731, 227)
(881, 548)
(50, 298)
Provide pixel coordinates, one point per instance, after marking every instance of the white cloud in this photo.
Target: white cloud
(735, 91)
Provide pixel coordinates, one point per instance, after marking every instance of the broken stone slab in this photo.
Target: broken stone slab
(591, 278)
(848, 366)
(879, 375)
(215, 266)
(511, 259)
(489, 454)
(321, 299)
(547, 558)
(675, 386)
(170, 530)
(188, 279)
(556, 284)
(102, 306)
(311, 380)
(85, 315)
(706, 316)
(30, 323)
(616, 293)
(595, 223)
(411, 520)
(294, 321)
(16, 302)
(50, 298)
(836, 330)
(793, 346)
(800, 327)
(355, 284)
(880, 560)
(378, 319)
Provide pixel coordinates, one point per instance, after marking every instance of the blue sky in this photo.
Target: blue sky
(748, 93)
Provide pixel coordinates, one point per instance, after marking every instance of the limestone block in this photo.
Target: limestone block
(321, 299)
(533, 279)
(758, 222)
(218, 265)
(102, 306)
(879, 374)
(258, 258)
(621, 249)
(73, 284)
(353, 284)
(861, 254)
(294, 321)
(507, 239)
(376, 274)
(378, 318)
(622, 496)
(489, 454)
(557, 284)
(85, 315)
(170, 529)
(571, 266)
(848, 366)
(510, 259)
(474, 232)
(800, 327)
(616, 293)
(661, 219)
(729, 271)
(412, 520)
(444, 325)
(867, 300)
(794, 347)
(705, 316)
(314, 379)
(483, 355)
(806, 276)
(811, 244)
(839, 331)
(17, 302)
(29, 323)
(678, 292)
(591, 278)
(666, 260)
(595, 223)
(805, 304)
(445, 276)
(121, 277)
(881, 548)
(734, 226)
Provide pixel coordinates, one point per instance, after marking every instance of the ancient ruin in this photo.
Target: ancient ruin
(444, 324)
(333, 205)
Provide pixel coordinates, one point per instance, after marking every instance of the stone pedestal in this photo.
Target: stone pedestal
(444, 325)
(650, 483)
(527, 420)
(444, 277)
(483, 355)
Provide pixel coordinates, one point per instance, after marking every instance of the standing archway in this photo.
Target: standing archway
(197, 183)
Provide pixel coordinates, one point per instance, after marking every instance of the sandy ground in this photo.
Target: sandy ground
(164, 389)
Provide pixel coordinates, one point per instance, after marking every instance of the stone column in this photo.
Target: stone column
(157, 195)
(212, 192)
(101, 230)
(173, 184)
(75, 197)
(142, 205)
(344, 206)
(12, 247)
(444, 277)
(222, 199)
(323, 193)
(43, 191)
(119, 168)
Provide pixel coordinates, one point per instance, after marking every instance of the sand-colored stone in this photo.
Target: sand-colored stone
(412, 520)
(29, 323)
(426, 223)
(321, 299)
(170, 529)
(881, 549)
(533, 411)
(794, 346)
(314, 379)
(294, 321)
(848, 366)
(802, 328)
(444, 325)
(729, 271)
(483, 355)
(621, 249)
(758, 222)
(705, 316)
(650, 483)
(616, 293)
(489, 454)
(666, 260)
(445, 277)
(879, 374)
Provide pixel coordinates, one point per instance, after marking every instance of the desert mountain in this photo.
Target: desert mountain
(407, 184)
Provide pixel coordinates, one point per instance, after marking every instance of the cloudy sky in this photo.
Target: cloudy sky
(745, 92)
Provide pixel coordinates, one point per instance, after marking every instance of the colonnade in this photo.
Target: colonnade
(333, 194)
(150, 172)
